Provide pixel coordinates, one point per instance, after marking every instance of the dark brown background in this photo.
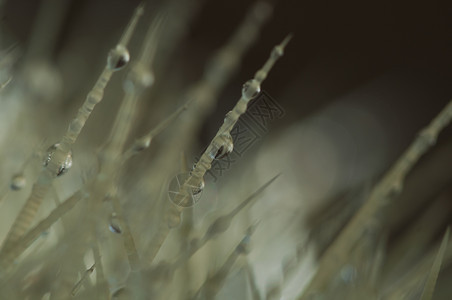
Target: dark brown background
(337, 45)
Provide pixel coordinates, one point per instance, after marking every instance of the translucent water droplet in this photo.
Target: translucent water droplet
(114, 225)
(18, 182)
(118, 57)
(226, 147)
(196, 190)
(50, 152)
(141, 144)
(277, 52)
(251, 89)
(64, 166)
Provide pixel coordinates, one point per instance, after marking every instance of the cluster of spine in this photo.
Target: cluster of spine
(74, 279)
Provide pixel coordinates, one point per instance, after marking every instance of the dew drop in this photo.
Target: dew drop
(196, 190)
(118, 57)
(50, 152)
(18, 182)
(251, 89)
(64, 166)
(277, 52)
(226, 147)
(114, 225)
(141, 144)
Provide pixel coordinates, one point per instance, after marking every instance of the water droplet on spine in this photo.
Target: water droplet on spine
(251, 89)
(118, 57)
(277, 52)
(114, 225)
(18, 182)
(226, 147)
(141, 144)
(64, 166)
(196, 190)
